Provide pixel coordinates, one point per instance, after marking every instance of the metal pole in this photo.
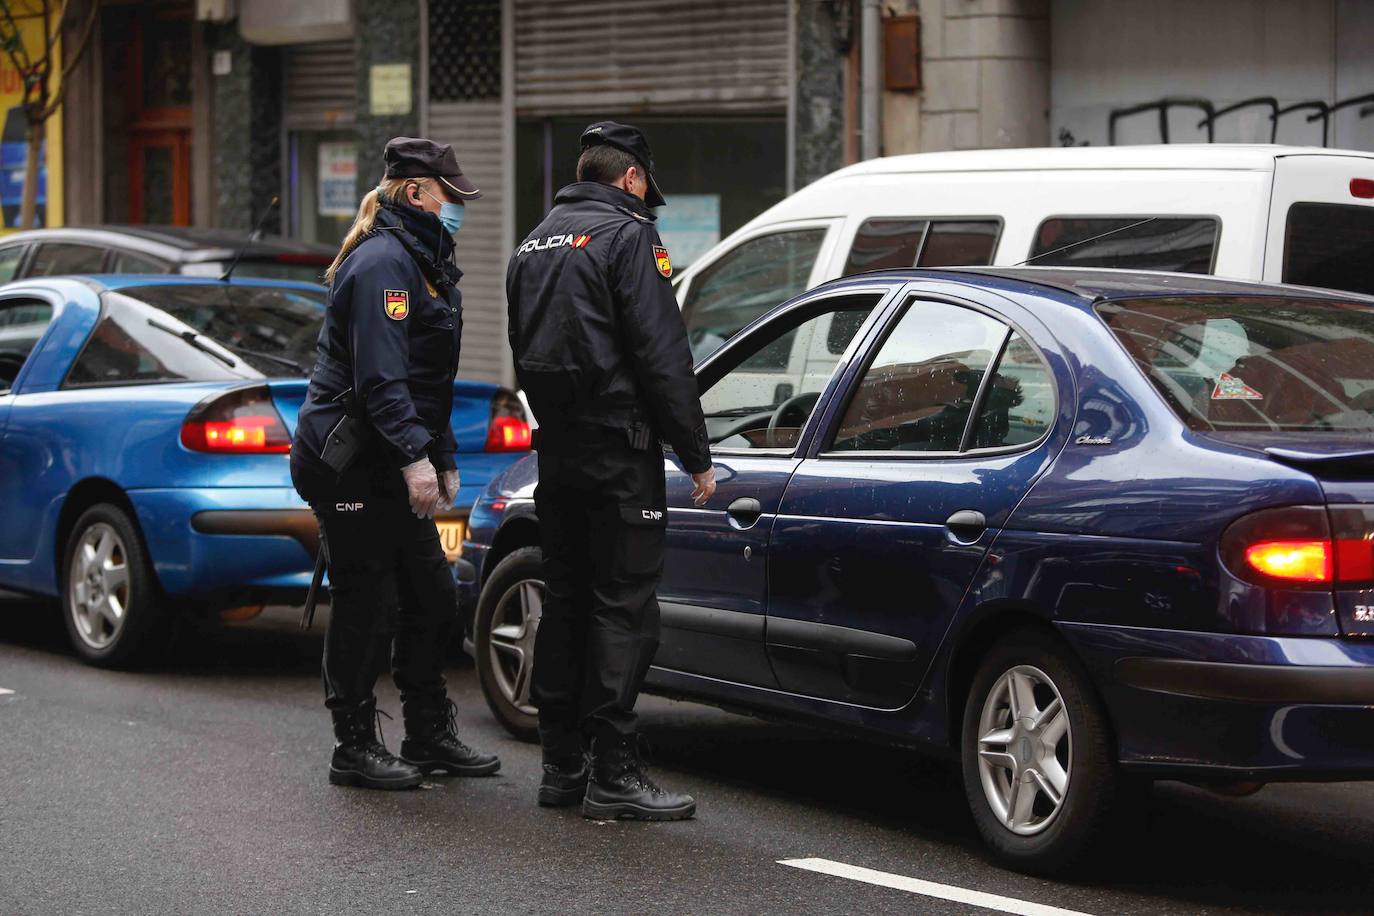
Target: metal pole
(870, 78)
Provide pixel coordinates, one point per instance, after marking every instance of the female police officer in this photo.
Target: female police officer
(373, 455)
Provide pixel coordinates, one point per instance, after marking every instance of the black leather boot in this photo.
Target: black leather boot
(619, 787)
(565, 764)
(431, 741)
(361, 759)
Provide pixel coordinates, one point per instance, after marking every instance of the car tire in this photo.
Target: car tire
(112, 605)
(503, 638)
(1002, 752)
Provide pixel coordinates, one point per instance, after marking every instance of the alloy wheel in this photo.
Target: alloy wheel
(1025, 749)
(513, 627)
(98, 586)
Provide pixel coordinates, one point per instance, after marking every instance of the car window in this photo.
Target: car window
(55, 258)
(1186, 245)
(885, 243)
(1329, 245)
(918, 393)
(10, 256)
(126, 262)
(1278, 364)
(1019, 402)
(22, 323)
(765, 397)
(746, 282)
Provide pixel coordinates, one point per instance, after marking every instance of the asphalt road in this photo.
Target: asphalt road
(200, 787)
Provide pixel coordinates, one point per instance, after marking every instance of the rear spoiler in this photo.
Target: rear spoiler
(1347, 460)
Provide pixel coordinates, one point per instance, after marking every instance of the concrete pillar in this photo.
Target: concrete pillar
(822, 48)
(246, 132)
(387, 32)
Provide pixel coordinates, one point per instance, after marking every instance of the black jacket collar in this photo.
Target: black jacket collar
(603, 193)
(419, 232)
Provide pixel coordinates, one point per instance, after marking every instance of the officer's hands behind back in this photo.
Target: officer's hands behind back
(422, 483)
(705, 486)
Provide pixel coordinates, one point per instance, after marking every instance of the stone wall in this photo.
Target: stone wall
(388, 32)
(822, 47)
(246, 132)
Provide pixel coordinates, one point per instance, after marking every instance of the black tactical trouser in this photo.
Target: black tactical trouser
(602, 516)
(392, 591)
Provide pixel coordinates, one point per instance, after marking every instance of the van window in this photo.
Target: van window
(1330, 245)
(56, 258)
(1186, 245)
(885, 244)
(746, 282)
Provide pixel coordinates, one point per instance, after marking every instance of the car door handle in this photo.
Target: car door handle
(967, 525)
(744, 511)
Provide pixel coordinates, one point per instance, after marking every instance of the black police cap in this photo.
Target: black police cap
(631, 140)
(412, 157)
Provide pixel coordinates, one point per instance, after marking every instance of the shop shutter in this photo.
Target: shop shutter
(321, 85)
(623, 56)
(474, 129)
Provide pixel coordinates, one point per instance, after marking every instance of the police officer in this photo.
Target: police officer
(601, 352)
(384, 369)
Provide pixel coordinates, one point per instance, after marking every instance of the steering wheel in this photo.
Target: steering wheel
(794, 411)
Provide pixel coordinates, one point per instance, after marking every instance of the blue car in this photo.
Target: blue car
(1078, 529)
(144, 429)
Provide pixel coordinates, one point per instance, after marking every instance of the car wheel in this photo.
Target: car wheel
(508, 614)
(111, 602)
(1038, 760)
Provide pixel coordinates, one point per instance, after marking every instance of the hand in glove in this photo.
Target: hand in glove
(449, 483)
(422, 483)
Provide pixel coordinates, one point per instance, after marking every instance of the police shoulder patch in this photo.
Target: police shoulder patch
(396, 302)
(662, 262)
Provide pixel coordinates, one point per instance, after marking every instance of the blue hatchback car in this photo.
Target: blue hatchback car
(1079, 529)
(144, 429)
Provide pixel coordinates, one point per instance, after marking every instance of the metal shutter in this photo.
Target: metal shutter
(621, 56)
(321, 85)
(475, 130)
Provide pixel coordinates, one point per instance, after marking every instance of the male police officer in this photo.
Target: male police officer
(602, 354)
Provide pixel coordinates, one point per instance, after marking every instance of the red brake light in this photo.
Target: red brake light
(242, 422)
(1362, 188)
(508, 434)
(1294, 561)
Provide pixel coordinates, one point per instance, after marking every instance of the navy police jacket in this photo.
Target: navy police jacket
(391, 332)
(595, 330)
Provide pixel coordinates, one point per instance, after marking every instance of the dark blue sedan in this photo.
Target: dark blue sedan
(1081, 530)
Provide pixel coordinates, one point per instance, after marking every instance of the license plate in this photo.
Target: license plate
(451, 534)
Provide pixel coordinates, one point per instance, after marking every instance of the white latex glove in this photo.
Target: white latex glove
(449, 482)
(703, 486)
(423, 486)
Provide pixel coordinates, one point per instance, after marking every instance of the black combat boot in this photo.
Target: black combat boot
(620, 788)
(431, 741)
(565, 767)
(361, 759)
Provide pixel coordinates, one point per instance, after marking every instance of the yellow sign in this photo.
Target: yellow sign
(389, 86)
(14, 131)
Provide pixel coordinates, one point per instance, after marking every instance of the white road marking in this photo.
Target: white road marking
(929, 888)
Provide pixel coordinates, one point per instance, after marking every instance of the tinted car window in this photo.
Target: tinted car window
(1254, 364)
(201, 333)
(55, 258)
(126, 262)
(917, 394)
(767, 397)
(1018, 403)
(960, 244)
(10, 256)
(1329, 245)
(305, 270)
(1128, 242)
(22, 323)
(882, 244)
(746, 282)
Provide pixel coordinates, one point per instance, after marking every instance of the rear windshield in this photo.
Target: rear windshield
(1247, 364)
(1331, 246)
(297, 271)
(201, 333)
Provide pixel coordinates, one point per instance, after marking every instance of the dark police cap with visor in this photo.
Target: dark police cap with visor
(412, 157)
(631, 140)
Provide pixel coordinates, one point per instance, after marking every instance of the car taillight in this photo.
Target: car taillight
(509, 430)
(1362, 187)
(1295, 561)
(239, 422)
(1289, 547)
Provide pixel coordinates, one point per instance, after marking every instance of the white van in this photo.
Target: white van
(1279, 213)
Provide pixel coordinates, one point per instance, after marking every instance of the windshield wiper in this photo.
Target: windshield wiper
(192, 338)
(270, 357)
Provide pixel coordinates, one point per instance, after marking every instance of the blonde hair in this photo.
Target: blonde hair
(388, 191)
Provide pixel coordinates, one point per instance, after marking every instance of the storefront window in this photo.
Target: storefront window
(324, 195)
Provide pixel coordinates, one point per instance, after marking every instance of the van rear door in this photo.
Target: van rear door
(1321, 222)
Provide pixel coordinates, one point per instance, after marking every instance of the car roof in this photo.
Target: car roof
(185, 244)
(1087, 286)
(1245, 156)
(116, 282)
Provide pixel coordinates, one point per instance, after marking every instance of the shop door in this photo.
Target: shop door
(160, 130)
(160, 177)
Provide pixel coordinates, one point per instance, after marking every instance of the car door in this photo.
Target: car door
(913, 471)
(758, 396)
(23, 322)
